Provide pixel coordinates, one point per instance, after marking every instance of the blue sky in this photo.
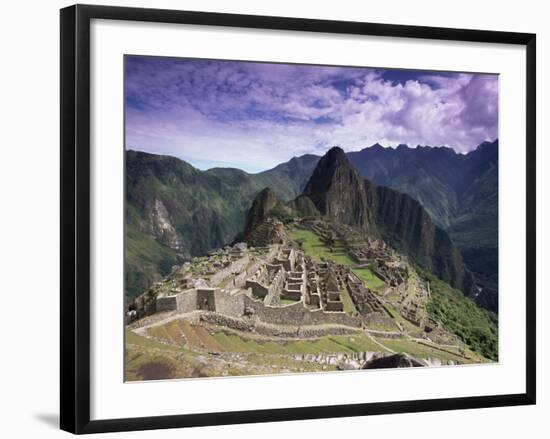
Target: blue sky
(254, 116)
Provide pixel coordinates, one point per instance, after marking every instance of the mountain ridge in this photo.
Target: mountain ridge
(217, 201)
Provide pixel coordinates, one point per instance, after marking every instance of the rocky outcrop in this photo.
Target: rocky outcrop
(303, 207)
(338, 192)
(263, 225)
(162, 228)
(262, 205)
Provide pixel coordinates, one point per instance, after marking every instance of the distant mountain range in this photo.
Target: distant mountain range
(175, 211)
(459, 191)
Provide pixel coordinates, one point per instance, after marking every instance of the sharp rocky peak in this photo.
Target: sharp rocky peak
(338, 192)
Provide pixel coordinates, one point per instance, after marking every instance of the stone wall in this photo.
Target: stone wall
(235, 267)
(206, 299)
(258, 290)
(297, 314)
(334, 306)
(216, 300)
(287, 258)
(267, 291)
(240, 280)
(258, 327)
(292, 294)
(166, 303)
(187, 301)
(229, 304)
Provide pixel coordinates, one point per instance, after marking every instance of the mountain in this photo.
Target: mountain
(475, 227)
(338, 192)
(175, 211)
(264, 203)
(288, 179)
(340, 196)
(423, 173)
(454, 188)
(459, 191)
(406, 225)
(401, 220)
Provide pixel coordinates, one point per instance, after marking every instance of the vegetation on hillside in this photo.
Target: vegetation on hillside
(207, 209)
(146, 260)
(477, 327)
(460, 193)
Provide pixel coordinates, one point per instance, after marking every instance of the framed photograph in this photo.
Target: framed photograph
(268, 218)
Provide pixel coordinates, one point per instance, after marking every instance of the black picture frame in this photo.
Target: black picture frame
(75, 217)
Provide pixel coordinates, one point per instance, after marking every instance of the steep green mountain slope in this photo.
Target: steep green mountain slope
(338, 192)
(175, 211)
(460, 192)
(477, 327)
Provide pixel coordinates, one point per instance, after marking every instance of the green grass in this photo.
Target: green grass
(313, 246)
(405, 324)
(349, 306)
(371, 280)
(357, 343)
(231, 343)
(135, 339)
(329, 344)
(228, 342)
(419, 350)
(288, 301)
(146, 261)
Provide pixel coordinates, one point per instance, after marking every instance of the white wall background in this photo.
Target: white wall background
(29, 248)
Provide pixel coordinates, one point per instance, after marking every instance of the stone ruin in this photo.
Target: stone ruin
(366, 302)
(276, 284)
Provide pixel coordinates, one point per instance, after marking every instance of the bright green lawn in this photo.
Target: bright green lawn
(314, 247)
(371, 280)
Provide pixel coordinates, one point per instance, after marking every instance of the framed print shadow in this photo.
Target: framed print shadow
(273, 218)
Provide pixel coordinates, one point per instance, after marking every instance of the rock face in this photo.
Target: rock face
(406, 225)
(262, 226)
(262, 205)
(393, 361)
(303, 207)
(338, 192)
(341, 196)
(162, 228)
